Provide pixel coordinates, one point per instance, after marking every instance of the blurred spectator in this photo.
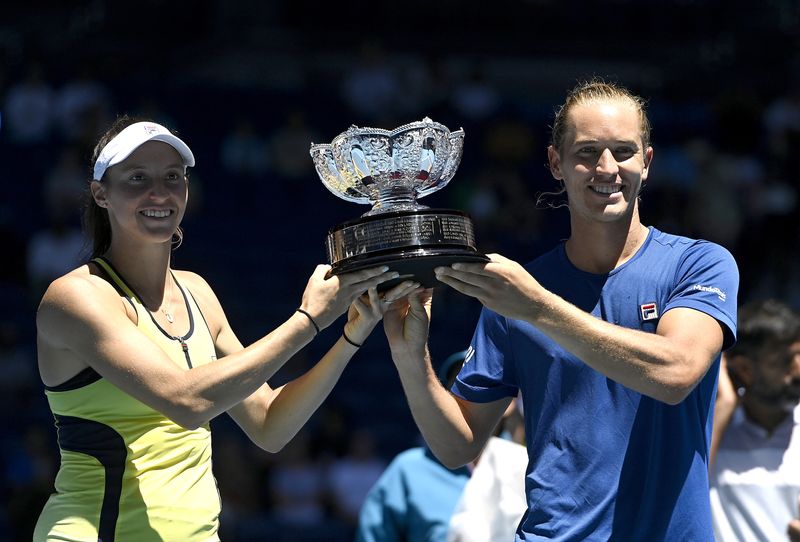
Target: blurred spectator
(66, 182)
(296, 486)
(425, 83)
(237, 478)
(288, 147)
(414, 498)
(731, 173)
(371, 88)
(350, 477)
(782, 125)
(53, 252)
(82, 108)
(475, 98)
(494, 499)
(30, 466)
(716, 206)
(669, 186)
(29, 108)
(20, 378)
(57, 248)
(418, 499)
(329, 433)
(244, 152)
(755, 451)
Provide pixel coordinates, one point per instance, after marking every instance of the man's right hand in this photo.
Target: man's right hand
(406, 324)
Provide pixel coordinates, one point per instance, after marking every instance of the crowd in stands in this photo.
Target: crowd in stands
(724, 170)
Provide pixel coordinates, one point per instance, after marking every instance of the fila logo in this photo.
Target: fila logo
(649, 311)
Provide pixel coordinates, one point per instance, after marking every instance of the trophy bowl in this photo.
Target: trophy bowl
(391, 170)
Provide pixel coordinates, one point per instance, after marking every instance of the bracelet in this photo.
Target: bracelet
(313, 323)
(348, 339)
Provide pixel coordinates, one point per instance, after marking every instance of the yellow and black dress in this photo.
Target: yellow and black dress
(129, 473)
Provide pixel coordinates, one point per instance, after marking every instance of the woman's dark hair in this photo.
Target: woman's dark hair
(94, 218)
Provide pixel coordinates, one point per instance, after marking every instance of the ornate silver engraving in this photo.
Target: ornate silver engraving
(389, 170)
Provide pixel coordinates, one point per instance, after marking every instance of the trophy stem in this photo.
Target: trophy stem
(395, 198)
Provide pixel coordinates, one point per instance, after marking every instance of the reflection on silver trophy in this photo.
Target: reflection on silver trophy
(391, 170)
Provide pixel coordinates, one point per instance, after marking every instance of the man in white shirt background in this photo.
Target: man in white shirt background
(755, 447)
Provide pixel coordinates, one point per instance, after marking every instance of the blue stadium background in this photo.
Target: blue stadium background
(250, 85)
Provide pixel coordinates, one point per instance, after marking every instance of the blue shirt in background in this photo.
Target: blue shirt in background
(412, 501)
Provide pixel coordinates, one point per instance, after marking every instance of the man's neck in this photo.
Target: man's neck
(767, 417)
(602, 248)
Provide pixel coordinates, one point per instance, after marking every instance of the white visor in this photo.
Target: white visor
(131, 138)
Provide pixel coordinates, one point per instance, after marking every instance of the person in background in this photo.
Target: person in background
(613, 340)
(755, 447)
(416, 497)
(137, 358)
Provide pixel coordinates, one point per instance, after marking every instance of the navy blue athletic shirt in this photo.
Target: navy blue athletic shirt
(606, 462)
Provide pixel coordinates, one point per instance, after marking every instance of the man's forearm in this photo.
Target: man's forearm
(649, 363)
(437, 413)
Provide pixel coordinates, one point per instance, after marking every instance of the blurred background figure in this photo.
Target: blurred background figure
(755, 452)
(28, 108)
(493, 501)
(349, 478)
(417, 499)
(59, 246)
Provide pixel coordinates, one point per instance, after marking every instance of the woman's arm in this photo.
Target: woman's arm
(81, 319)
(272, 417)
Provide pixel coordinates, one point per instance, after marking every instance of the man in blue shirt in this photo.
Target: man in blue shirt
(613, 339)
(416, 495)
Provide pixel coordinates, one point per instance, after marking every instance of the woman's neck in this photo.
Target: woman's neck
(144, 267)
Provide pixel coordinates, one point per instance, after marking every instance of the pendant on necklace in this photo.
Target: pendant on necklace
(169, 317)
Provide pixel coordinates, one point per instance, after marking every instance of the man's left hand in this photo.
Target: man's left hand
(502, 285)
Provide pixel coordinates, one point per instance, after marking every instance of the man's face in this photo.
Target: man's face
(776, 378)
(602, 162)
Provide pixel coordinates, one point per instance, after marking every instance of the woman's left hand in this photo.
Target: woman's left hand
(366, 311)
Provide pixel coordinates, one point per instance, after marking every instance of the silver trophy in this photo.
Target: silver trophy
(391, 170)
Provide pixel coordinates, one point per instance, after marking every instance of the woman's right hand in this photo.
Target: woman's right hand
(328, 297)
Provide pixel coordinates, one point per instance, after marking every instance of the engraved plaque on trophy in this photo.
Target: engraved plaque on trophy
(391, 170)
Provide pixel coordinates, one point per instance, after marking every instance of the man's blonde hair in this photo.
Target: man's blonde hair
(596, 90)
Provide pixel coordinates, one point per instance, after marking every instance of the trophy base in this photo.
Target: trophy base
(413, 243)
(417, 264)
